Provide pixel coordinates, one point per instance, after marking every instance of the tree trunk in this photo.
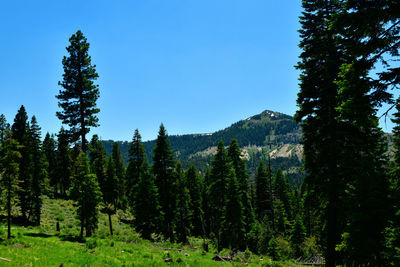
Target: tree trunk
(110, 221)
(82, 225)
(9, 209)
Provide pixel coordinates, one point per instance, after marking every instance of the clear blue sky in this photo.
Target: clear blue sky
(195, 65)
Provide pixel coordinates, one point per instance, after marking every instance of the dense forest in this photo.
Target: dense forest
(346, 211)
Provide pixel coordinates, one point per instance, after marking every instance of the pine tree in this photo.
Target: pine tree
(221, 172)
(194, 185)
(284, 192)
(393, 237)
(39, 173)
(298, 235)
(233, 221)
(111, 190)
(86, 192)
(136, 158)
(239, 165)
(9, 159)
(49, 149)
(320, 63)
(147, 211)
(4, 127)
(163, 167)
(20, 132)
(64, 163)
(98, 160)
(183, 211)
(79, 94)
(120, 175)
(205, 204)
(263, 205)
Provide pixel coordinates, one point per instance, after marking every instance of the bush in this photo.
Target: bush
(284, 247)
(310, 247)
(91, 243)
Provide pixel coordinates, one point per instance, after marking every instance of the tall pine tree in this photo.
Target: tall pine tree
(79, 94)
(163, 168)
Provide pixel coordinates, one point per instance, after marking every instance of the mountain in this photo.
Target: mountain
(267, 134)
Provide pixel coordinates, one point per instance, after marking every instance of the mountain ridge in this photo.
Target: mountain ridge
(269, 134)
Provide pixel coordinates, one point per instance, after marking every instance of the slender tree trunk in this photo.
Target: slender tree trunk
(82, 225)
(9, 209)
(110, 222)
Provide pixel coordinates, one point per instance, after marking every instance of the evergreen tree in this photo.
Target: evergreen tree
(79, 94)
(284, 192)
(4, 127)
(20, 132)
(86, 192)
(120, 175)
(221, 172)
(163, 167)
(239, 166)
(194, 185)
(233, 221)
(282, 224)
(205, 204)
(393, 237)
(49, 149)
(320, 63)
(263, 205)
(39, 173)
(136, 158)
(64, 163)
(183, 211)
(9, 159)
(298, 235)
(147, 211)
(98, 160)
(110, 190)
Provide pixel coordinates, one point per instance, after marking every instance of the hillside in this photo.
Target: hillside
(268, 133)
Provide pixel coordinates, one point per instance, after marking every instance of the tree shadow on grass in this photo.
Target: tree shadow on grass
(38, 235)
(72, 238)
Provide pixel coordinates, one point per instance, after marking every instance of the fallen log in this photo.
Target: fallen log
(4, 259)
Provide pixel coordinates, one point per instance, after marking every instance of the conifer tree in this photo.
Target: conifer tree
(86, 192)
(221, 172)
(284, 192)
(110, 190)
(147, 211)
(393, 237)
(98, 160)
(4, 127)
(239, 166)
(39, 173)
(163, 167)
(194, 185)
(298, 235)
(263, 205)
(79, 94)
(183, 212)
(49, 149)
(9, 159)
(136, 158)
(64, 163)
(20, 132)
(233, 221)
(205, 204)
(320, 63)
(120, 175)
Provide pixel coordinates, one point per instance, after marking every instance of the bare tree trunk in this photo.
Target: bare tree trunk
(110, 221)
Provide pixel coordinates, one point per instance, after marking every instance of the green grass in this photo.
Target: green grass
(43, 246)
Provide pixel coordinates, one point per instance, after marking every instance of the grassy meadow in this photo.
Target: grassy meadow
(44, 246)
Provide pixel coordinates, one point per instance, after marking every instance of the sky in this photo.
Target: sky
(197, 66)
